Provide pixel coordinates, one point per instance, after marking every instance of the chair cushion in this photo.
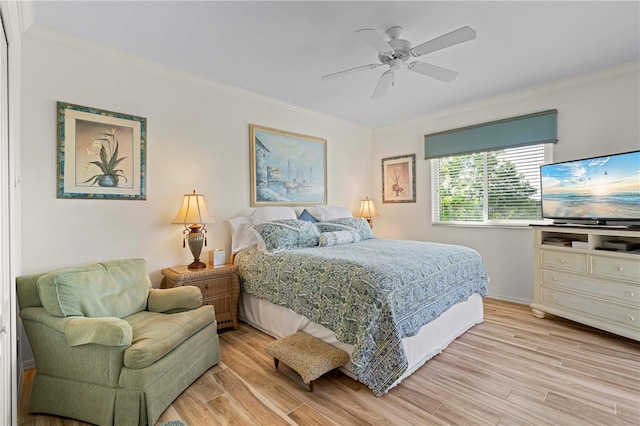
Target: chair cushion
(117, 288)
(156, 334)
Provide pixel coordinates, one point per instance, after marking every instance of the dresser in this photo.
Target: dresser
(220, 287)
(589, 275)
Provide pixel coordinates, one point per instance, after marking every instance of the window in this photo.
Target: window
(492, 187)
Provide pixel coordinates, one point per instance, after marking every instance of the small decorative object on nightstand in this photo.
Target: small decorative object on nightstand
(220, 287)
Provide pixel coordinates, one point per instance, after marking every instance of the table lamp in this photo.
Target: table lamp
(194, 215)
(367, 210)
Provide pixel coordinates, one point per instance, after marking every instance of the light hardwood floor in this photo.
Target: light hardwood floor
(513, 369)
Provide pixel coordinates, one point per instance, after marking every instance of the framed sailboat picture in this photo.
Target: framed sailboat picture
(287, 168)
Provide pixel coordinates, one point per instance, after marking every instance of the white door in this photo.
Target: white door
(6, 314)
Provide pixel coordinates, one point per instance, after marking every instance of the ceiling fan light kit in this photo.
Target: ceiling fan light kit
(396, 51)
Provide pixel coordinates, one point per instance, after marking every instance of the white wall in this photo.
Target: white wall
(198, 138)
(597, 114)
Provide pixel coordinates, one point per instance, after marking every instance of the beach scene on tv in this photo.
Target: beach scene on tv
(603, 188)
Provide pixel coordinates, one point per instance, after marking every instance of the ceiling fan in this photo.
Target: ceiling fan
(395, 52)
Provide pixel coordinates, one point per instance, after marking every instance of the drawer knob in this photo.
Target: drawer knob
(555, 298)
(207, 286)
(562, 260)
(555, 278)
(630, 293)
(619, 268)
(630, 318)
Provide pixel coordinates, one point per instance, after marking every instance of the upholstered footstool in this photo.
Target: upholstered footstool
(306, 355)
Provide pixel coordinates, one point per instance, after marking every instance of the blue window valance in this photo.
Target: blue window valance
(530, 129)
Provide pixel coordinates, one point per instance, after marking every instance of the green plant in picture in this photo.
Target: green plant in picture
(108, 144)
(397, 183)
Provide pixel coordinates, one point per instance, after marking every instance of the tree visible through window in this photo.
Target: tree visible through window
(493, 186)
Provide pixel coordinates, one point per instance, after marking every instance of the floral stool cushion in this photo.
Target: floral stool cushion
(306, 355)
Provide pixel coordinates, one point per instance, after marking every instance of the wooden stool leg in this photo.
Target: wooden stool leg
(311, 386)
(276, 361)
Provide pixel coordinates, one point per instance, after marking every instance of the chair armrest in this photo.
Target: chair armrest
(106, 331)
(174, 299)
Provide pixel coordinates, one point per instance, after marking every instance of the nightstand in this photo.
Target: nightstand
(220, 287)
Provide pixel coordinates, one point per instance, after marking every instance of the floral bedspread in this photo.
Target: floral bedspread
(371, 293)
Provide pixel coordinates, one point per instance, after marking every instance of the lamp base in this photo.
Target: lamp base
(196, 264)
(195, 239)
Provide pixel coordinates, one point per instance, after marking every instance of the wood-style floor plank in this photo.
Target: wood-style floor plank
(513, 369)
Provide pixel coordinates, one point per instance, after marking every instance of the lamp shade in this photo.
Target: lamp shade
(193, 210)
(367, 209)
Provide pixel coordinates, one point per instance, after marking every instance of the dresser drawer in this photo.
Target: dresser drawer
(612, 267)
(613, 290)
(623, 315)
(576, 262)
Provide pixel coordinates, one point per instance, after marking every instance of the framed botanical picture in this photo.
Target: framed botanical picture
(287, 168)
(399, 179)
(101, 154)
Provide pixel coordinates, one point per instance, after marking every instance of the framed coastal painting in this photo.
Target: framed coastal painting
(287, 168)
(399, 179)
(101, 154)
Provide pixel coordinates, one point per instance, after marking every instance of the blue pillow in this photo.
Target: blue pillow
(305, 215)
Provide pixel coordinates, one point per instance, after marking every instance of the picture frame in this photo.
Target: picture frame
(100, 154)
(287, 169)
(399, 179)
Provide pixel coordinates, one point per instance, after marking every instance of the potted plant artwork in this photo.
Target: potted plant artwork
(108, 162)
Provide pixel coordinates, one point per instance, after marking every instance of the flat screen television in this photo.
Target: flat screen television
(594, 190)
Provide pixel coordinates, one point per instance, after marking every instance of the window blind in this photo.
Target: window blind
(531, 129)
(488, 187)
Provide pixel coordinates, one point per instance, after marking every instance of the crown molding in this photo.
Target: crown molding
(44, 34)
(616, 72)
(25, 12)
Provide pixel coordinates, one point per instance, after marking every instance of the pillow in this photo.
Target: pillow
(332, 212)
(118, 288)
(305, 215)
(286, 234)
(242, 233)
(335, 238)
(357, 224)
(269, 214)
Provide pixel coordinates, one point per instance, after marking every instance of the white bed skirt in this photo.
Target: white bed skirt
(432, 338)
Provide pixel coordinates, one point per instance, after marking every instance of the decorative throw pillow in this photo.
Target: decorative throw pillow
(287, 234)
(305, 215)
(357, 224)
(335, 238)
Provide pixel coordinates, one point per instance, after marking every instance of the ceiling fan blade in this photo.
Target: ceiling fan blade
(375, 40)
(383, 85)
(433, 71)
(450, 39)
(349, 71)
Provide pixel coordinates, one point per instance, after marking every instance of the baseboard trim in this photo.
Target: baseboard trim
(510, 299)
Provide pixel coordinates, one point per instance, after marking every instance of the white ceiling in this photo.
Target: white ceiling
(281, 49)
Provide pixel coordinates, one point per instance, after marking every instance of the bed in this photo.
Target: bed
(392, 305)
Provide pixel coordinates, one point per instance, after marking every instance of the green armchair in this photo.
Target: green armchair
(110, 349)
